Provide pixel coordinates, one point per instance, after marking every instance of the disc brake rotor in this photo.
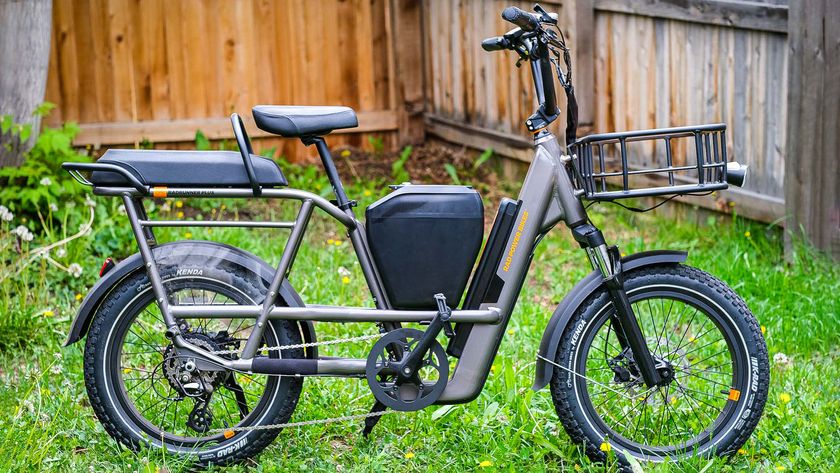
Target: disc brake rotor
(420, 390)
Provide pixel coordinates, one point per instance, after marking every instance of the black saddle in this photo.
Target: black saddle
(295, 121)
(186, 169)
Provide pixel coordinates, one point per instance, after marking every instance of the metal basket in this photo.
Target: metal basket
(606, 170)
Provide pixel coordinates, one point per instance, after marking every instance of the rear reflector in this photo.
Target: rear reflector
(106, 266)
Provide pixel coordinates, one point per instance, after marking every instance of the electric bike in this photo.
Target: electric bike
(202, 349)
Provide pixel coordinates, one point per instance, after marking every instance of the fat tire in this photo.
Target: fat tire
(569, 408)
(107, 315)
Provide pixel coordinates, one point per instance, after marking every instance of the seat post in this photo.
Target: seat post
(332, 173)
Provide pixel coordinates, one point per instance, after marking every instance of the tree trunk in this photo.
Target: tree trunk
(25, 27)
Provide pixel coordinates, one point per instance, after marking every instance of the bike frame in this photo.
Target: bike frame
(547, 197)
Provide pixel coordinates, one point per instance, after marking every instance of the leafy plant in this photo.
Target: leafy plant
(482, 158)
(376, 144)
(453, 173)
(398, 171)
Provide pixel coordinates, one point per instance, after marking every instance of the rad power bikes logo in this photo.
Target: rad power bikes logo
(515, 244)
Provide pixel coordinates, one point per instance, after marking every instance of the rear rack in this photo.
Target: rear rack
(601, 163)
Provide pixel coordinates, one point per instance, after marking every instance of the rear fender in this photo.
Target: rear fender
(573, 300)
(173, 252)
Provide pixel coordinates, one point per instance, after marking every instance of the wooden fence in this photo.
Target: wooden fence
(155, 69)
(638, 64)
(159, 70)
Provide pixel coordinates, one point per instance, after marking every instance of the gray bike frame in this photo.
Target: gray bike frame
(547, 197)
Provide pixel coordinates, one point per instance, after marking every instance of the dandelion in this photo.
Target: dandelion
(731, 204)
(345, 280)
(492, 368)
(367, 193)
(46, 181)
(747, 233)
(27, 404)
(511, 332)
(165, 207)
(346, 154)
(179, 203)
(56, 369)
(89, 202)
(48, 313)
(23, 233)
(763, 330)
(180, 214)
(78, 297)
(742, 451)
(342, 271)
(780, 468)
(781, 359)
(121, 209)
(409, 455)
(337, 243)
(330, 241)
(75, 270)
(188, 235)
(485, 463)
(784, 397)
(5, 214)
(605, 447)
(61, 252)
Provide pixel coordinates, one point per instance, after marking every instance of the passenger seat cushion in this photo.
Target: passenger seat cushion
(187, 169)
(295, 121)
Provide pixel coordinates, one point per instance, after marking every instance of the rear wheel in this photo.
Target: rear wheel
(704, 336)
(146, 395)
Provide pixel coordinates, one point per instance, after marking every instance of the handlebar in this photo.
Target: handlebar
(521, 18)
(534, 41)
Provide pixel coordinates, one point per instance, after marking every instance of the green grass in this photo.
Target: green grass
(49, 425)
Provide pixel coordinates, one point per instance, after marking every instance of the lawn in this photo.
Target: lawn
(49, 425)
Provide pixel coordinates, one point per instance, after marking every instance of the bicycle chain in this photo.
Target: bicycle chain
(305, 423)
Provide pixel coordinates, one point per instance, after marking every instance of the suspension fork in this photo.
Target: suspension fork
(607, 260)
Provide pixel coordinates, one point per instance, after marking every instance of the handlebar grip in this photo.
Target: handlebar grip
(496, 43)
(521, 18)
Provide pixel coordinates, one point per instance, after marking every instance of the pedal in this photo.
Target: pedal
(444, 313)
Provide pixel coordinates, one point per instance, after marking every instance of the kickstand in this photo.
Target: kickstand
(370, 422)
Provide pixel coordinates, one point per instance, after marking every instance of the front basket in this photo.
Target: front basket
(664, 161)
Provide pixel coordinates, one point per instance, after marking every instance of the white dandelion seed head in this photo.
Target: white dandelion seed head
(5, 214)
(342, 271)
(121, 209)
(781, 359)
(56, 369)
(53, 207)
(61, 252)
(75, 270)
(166, 207)
(46, 181)
(27, 404)
(89, 202)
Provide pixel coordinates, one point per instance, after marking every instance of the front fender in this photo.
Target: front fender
(173, 252)
(569, 305)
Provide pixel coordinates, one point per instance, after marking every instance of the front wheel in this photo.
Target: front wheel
(697, 328)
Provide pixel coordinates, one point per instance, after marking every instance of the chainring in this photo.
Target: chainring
(415, 393)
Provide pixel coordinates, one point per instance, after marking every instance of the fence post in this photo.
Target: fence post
(812, 174)
(582, 17)
(408, 47)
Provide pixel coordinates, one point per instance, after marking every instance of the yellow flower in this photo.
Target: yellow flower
(605, 447)
(213, 211)
(485, 463)
(179, 204)
(126, 370)
(345, 280)
(493, 368)
(78, 297)
(367, 193)
(408, 455)
(763, 330)
(330, 241)
(742, 451)
(180, 214)
(48, 313)
(188, 235)
(511, 332)
(731, 204)
(224, 207)
(784, 397)
(337, 242)
(747, 233)
(345, 154)
(780, 468)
